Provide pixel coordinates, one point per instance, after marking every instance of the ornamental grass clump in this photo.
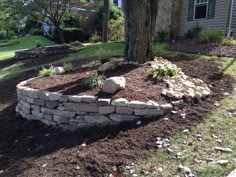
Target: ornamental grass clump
(68, 67)
(47, 72)
(94, 81)
(162, 70)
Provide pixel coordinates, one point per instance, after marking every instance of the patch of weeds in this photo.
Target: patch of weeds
(47, 72)
(104, 55)
(94, 80)
(162, 70)
(68, 67)
(208, 36)
(38, 43)
(229, 41)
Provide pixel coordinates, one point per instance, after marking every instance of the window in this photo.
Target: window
(201, 7)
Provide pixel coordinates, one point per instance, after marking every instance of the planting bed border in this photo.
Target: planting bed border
(71, 111)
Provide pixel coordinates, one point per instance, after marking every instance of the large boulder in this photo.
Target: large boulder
(111, 65)
(113, 84)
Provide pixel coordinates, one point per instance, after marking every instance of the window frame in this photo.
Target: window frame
(197, 4)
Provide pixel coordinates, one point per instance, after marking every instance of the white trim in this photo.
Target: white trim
(230, 19)
(197, 4)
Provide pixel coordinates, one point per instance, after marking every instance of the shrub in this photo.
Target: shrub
(47, 72)
(95, 38)
(162, 35)
(76, 43)
(38, 43)
(116, 29)
(37, 32)
(208, 36)
(104, 55)
(229, 41)
(94, 80)
(162, 70)
(3, 35)
(73, 34)
(193, 33)
(68, 67)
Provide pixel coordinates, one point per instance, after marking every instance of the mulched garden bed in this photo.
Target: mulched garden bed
(191, 46)
(138, 86)
(33, 149)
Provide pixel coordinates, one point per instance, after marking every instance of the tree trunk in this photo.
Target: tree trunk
(106, 15)
(60, 34)
(140, 22)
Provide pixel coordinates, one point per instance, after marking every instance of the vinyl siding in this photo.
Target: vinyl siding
(218, 22)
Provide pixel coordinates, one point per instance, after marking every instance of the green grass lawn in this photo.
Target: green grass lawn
(27, 42)
(6, 55)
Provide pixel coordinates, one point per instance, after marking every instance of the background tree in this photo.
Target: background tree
(43, 11)
(140, 22)
(106, 16)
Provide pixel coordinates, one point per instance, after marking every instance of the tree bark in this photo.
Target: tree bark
(106, 16)
(140, 22)
(60, 34)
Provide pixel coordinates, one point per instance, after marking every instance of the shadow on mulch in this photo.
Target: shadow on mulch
(29, 148)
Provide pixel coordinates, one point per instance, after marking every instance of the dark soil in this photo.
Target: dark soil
(191, 46)
(138, 86)
(31, 149)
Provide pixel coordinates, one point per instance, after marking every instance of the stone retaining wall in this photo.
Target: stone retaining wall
(72, 112)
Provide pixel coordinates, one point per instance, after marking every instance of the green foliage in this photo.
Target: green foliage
(38, 43)
(36, 32)
(95, 38)
(68, 67)
(193, 33)
(47, 72)
(229, 41)
(116, 29)
(208, 36)
(163, 70)
(104, 55)
(73, 34)
(76, 43)
(162, 35)
(8, 43)
(94, 80)
(6, 35)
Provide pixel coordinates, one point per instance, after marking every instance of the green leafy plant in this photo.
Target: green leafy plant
(208, 36)
(229, 41)
(94, 80)
(95, 38)
(36, 32)
(116, 29)
(104, 55)
(163, 70)
(193, 33)
(162, 35)
(47, 72)
(68, 67)
(38, 43)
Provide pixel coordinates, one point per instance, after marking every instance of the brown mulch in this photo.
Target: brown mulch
(29, 148)
(138, 86)
(191, 46)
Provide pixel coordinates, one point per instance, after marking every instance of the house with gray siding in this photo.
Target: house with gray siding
(209, 14)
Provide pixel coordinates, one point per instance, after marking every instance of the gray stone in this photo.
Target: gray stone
(38, 114)
(59, 70)
(104, 110)
(113, 84)
(75, 99)
(51, 104)
(81, 107)
(152, 105)
(97, 119)
(33, 93)
(18, 91)
(148, 112)
(137, 105)
(77, 121)
(61, 120)
(62, 108)
(88, 99)
(124, 110)
(25, 104)
(123, 118)
(54, 96)
(43, 95)
(178, 103)
(64, 98)
(166, 106)
(39, 102)
(232, 174)
(120, 102)
(48, 122)
(48, 117)
(107, 67)
(66, 114)
(104, 102)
